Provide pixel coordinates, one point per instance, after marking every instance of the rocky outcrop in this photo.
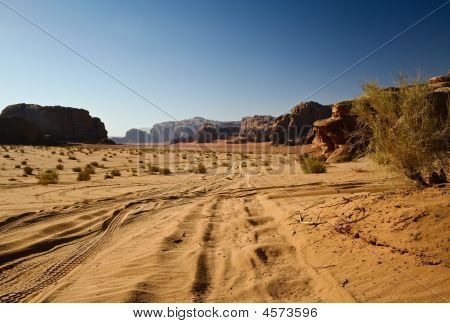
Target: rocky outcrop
(19, 131)
(293, 128)
(56, 124)
(334, 132)
(211, 132)
(256, 129)
(132, 136)
(181, 131)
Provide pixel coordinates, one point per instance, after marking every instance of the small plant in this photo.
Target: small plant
(104, 159)
(313, 165)
(200, 169)
(266, 163)
(72, 157)
(115, 172)
(107, 176)
(48, 177)
(165, 171)
(89, 169)
(60, 160)
(6, 156)
(60, 167)
(83, 176)
(95, 164)
(76, 169)
(17, 166)
(23, 162)
(27, 170)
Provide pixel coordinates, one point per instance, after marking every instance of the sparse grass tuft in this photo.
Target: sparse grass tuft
(60, 167)
(50, 176)
(83, 176)
(313, 165)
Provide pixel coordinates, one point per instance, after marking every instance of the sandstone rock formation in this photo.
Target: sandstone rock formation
(180, 131)
(19, 131)
(211, 132)
(334, 132)
(56, 124)
(256, 129)
(293, 128)
(132, 136)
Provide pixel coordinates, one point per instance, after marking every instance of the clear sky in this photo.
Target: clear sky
(216, 59)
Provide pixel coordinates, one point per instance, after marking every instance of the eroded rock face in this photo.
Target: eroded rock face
(333, 133)
(19, 131)
(293, 128)
(59, 124)
(211, 132)
(256, 129)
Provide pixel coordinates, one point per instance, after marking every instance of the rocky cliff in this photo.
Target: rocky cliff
(293, 128)
(54, 123)
(256, 129)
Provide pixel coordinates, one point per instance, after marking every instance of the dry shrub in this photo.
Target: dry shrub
(27, 170)
(115, 172)
(404, 128)
(77, 169)
(83, 176)
(48, 177)
(312, 165)
(200, 169)
(60, 167)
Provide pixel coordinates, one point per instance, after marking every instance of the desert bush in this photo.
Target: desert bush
(17, 166)
(76, 169)
(27, 170)
(89, 169)
(23, 162)
(165, 171)
(107, 176)
(115, 172)
(6, 156)
(312, 165)
(72, 158)
(60, 160)
(83, 176)
(104, 159)
(60, 167)
(95, 164)
(50, 176)
(200, 169)
(404, 128)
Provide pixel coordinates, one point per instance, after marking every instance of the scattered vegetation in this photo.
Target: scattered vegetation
(83, 176)
(76, 169)
(60, 167)
(200, 169)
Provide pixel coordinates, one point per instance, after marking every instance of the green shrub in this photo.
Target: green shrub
(60, 167)
(404, 128)
(48, 177)
(313, 165)
(27, 170)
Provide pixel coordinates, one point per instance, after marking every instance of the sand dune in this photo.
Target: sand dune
(236, 234)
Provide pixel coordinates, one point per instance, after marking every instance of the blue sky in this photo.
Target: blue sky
(217, 59)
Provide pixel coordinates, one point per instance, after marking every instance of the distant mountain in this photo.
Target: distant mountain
(174, 131)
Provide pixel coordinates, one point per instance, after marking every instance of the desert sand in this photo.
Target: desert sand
(253, 228)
